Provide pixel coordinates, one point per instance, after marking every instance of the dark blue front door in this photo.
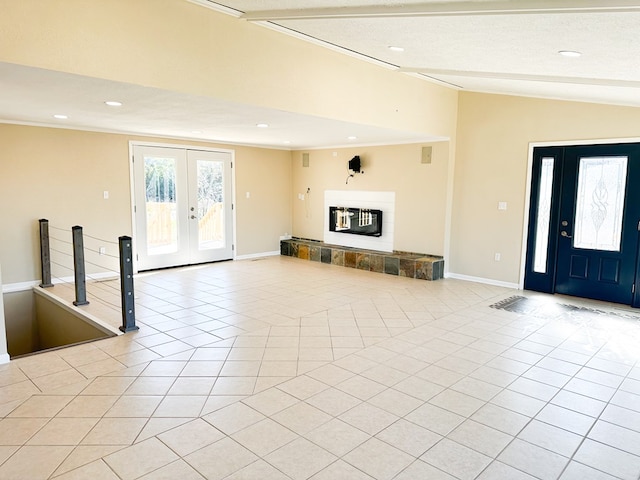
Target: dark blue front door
(585, 213)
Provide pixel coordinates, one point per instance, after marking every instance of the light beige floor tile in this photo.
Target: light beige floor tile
(501, 419)
(45, 406)
(333, 401)
(220, 459)
(234, 418)
(378, 459)
(481, 438)
(533, 460)
(178, 469)
(264, 437)
(115, 431)
(456, 459)
(271, 401)
(409, 437)
(337, 437)
(578, 471)
(420, 469)
(300, 459)
(278, 368)
(108, 386)
(395, 402)
(156, 426)
(419, 388)
(149, 456)
(368, 418)
(164, 368)
(17, 391)
(341, 470)
(17, 431)
(192, 386)
(83, 455)
(203, 368)
(134, 406)
(150, 386)
(180, 406)
(302, 387)
(88, 406)
(63, 431)
(457, 402)
(498, 470)
(301, 417)
(552, 438)
(21, 465)
(258, 469)
(435, 419)
(96, 470)
(240, 368)
(191, 436)
(101, 367)
(65, 378)
(234, 386)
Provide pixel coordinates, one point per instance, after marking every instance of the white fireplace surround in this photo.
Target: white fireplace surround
(385, 201)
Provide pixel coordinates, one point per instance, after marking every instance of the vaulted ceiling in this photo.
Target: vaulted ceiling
(506, 47)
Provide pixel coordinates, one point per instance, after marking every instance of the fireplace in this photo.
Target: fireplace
(358, 221)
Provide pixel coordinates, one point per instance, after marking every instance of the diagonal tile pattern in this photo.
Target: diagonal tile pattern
(283, 369)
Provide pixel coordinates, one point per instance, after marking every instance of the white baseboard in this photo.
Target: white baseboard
(258, 255)
(486, 281)
(4, 358)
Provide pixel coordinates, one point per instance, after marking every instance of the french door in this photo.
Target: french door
(183, 206)
(584, 222)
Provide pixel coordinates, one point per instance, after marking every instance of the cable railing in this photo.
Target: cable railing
(65, 260)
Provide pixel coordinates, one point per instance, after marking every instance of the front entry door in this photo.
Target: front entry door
(183, 206)
(585, 209)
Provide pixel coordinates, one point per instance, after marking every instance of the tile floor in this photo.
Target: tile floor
(284, 369)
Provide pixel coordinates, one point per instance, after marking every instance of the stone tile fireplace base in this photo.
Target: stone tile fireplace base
(404, 264)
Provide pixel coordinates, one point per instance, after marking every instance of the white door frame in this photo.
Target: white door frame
(132, 193)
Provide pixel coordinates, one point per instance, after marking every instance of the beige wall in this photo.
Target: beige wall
(61, 175)
(494, 132)
(184, 47)
(420, 190)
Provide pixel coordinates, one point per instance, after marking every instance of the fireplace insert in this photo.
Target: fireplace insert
(358, 221)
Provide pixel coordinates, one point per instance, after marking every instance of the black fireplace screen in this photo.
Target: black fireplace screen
(359, 221)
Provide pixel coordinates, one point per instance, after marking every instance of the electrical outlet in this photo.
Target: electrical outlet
(105, 194)
(102, 250)
(497, 257)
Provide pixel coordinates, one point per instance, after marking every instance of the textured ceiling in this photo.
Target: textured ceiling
(508, 46)
(495, 46)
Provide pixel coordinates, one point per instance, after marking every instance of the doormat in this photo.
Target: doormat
(552, 310)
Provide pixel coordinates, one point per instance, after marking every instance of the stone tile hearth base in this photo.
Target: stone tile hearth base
(404, 264)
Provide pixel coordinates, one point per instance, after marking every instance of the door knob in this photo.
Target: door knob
(193, 217)
(565, 234)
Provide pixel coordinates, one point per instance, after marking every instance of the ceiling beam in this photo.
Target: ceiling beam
(606, 82)
(492, 7)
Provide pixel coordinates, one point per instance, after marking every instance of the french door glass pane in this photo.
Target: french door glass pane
(600, 203)
(210, 204)
(160, 195)
(544, 216)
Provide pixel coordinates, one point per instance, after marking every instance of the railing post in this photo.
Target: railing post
(78, 267)
(126, 286)
(45, 256)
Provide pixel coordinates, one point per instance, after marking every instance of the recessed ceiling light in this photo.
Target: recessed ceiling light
(287, 142)
(60, 117)
(352, 138)
(113, 103)
(262, 125)
(396, 49)
(569, 53)
(197, 132)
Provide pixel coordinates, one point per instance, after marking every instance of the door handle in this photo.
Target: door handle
(193, 217)
(563, 233)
